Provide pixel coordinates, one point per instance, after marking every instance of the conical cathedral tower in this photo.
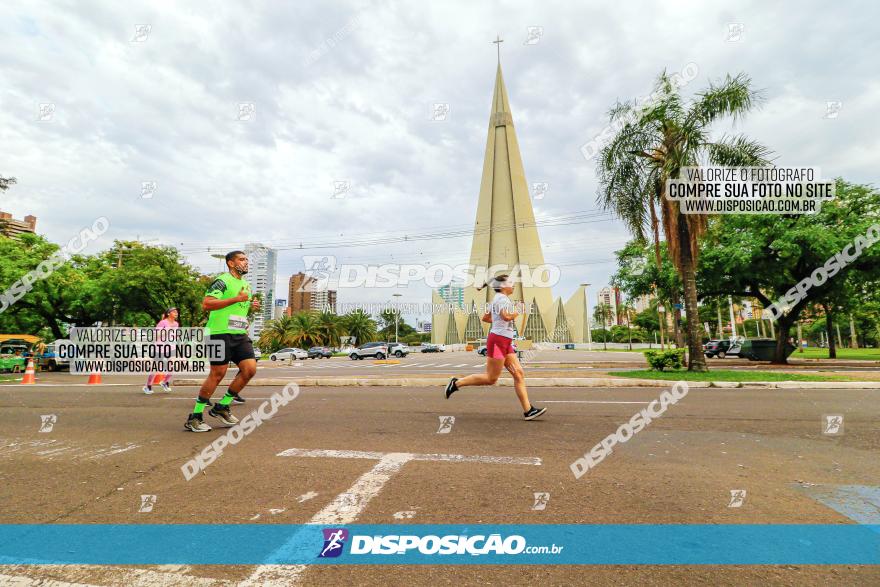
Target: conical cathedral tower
(505, 236)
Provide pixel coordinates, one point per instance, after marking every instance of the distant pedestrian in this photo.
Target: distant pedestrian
(169, 320)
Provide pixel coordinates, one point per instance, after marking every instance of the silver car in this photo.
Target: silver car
(289, 353)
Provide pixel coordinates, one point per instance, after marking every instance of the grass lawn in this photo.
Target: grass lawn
(856, 354)
(809, 353)
(726, 375)
(598, 347)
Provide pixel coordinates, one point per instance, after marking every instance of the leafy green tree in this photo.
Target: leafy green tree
(52, 301)
(653, 144)
(386, 325)
(134, 283)
(764, 256)
(648, 320)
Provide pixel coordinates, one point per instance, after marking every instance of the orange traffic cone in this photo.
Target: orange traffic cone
(158, 378)
(29, 375)
(95, 378)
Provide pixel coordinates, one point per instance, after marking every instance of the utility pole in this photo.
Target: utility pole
(720, 325)
(800, 345)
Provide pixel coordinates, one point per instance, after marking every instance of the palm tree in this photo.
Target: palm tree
(652, 145)
(329, 328)
(304, 330)
(626, 310)
(359, 325)
(601, 313)
(276, 334)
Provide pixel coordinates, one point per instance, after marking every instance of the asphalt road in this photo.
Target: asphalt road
(108, 446)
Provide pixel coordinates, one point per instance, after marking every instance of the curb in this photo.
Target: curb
(550, 382)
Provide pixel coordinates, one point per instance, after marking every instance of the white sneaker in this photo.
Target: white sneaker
(165, 387)
(147, 390)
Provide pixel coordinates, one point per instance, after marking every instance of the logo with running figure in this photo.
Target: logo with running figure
(334, 542)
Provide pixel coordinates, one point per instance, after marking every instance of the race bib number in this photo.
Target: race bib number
(238, 322)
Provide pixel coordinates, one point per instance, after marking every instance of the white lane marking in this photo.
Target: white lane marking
(342, 510)
(584, 401)
(117, 576)
(307, 496)
(339, 454)
(54, 451)
(15, 581)
(347, 506)
(49, 449)
(462, 365)
(116, 451)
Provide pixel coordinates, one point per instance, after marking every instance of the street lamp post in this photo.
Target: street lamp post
(396, 316)
(220, 257)
(587, 321)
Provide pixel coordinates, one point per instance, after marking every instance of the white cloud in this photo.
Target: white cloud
(165, 110)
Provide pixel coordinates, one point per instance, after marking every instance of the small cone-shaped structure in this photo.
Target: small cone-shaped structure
(94, 378)
(561, 330)
(30, 375)
(474, 329)
(577, 313)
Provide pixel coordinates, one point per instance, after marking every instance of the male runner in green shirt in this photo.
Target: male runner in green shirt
(227, 300)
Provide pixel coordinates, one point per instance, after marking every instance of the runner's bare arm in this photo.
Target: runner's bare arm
(508, 315)
(209, 303)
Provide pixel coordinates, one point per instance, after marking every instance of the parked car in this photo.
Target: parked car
(289, 353)
(50, 361)
(320, 352)
(398, 349)
(723, 348)
(376, 350)
(433, 348)
(258, 354)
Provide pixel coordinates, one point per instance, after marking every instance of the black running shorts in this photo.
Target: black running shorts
(236, 348)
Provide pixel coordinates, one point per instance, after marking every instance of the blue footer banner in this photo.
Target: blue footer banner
(612, 544)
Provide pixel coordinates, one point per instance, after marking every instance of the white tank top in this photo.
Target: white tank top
(500, 326)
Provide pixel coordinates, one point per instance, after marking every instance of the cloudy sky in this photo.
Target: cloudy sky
(98, 98)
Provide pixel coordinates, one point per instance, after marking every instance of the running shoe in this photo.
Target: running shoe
(224, 414)
(165, 387)
(451, 387)
(195, 424)
(238, 399)
(148, 390)
(534, 413)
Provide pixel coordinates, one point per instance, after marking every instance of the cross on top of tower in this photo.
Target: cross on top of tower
(497, 42)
